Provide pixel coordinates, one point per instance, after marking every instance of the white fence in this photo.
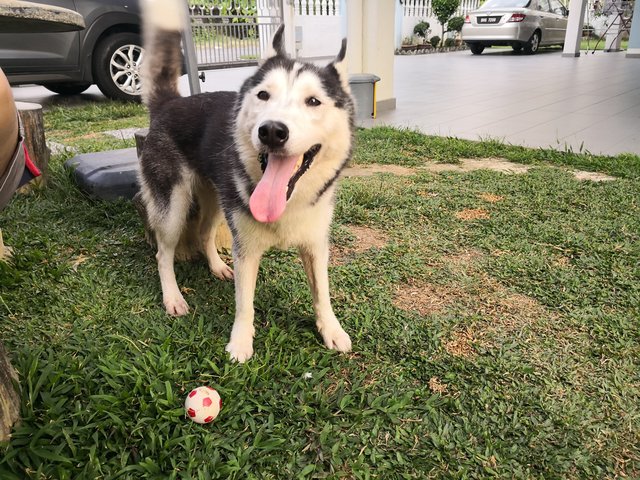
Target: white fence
(318, 27)
(415, 11)
(236, 33)
(317, 7)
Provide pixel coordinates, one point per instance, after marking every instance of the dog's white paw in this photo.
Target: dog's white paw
(176, 305)
(335, 338)
(221, 270)
(240, 350)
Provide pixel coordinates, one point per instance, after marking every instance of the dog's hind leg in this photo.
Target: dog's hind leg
(212, 218)
(240, 346)
(168, 228)
(315, 259)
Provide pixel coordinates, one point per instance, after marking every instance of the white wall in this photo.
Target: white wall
(321, 35)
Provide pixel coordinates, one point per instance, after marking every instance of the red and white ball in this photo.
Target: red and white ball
(203, 404)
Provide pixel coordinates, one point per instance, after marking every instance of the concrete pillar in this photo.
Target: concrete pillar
(370, 37)
(399, 19)
(289, 15)
(633, 50)
(577, 9)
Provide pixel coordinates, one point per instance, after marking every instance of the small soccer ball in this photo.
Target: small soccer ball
(203, 404)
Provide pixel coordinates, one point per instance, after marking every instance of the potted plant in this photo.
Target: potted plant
(408, 43)
(421, 30)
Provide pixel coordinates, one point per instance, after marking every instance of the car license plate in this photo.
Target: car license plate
(488, 19)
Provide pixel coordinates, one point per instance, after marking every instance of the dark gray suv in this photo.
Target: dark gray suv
(107, 52)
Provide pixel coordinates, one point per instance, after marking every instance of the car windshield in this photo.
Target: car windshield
(505, 4)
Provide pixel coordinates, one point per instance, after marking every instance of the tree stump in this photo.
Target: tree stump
(190, 243)
(9, 399)
(34, 138)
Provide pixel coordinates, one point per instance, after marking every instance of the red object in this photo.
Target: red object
(206, 402)
(193, 392)
(517, 17)
(191, 412)
(208, 419)
(467, 19)
(33, 169)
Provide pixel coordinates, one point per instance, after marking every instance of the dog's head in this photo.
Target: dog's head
(292, 118)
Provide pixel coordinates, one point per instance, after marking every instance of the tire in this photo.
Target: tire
(116, 66)
(533, 43)
(67, 88)
(476, 48)
(517, 48)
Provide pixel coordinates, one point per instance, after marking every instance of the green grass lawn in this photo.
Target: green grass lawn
(494, 318)
(593, 43)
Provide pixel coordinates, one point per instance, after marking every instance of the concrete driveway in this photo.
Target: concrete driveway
(590, 103)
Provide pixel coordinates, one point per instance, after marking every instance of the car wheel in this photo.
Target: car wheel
(116, 66)
(517, 48)
(476, 48)
(67, 88)
(532, 45)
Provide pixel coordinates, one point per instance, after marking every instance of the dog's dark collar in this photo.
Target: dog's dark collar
(307, 159)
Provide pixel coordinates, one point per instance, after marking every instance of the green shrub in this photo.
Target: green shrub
(444, 10)
(421, 29)
(434, 41)
(449, 42)
(455, 24)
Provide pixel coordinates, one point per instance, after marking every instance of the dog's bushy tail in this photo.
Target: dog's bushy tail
(163, 21)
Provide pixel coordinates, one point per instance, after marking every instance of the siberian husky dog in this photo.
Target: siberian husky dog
(265, 158)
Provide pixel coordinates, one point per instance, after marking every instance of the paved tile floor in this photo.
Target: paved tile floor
(544, 100)
(590, 102)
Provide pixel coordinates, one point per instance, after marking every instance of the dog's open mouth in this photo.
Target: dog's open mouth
(281, 173)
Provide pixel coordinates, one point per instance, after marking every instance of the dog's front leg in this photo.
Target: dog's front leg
(315, 259)
(240, 345)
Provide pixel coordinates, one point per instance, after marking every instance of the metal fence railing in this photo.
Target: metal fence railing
(231, 35)
(317, 7)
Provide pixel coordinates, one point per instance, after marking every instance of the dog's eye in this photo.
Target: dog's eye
(312, 102)
(262, 95)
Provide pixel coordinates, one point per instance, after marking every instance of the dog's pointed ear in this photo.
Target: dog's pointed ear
(340, 64)
(277, 44)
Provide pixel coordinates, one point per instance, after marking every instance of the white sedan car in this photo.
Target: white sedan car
(521, 24)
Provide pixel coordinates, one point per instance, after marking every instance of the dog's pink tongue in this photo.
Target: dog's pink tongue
(269, 199)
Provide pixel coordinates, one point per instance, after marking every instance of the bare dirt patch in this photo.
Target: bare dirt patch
(436, 386)
(370, 170)
(490, 197)
(461, 344)
(367, 238)
(478, 295)
(471, 164)
(472, 214)
(592, 176)
(424, 298)
(561, 261)
(505, 166)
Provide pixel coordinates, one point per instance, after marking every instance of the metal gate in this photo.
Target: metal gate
(233, 33)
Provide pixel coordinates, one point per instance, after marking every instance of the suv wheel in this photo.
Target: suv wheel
(476, 48)
(67, 88)
(116, 66)
(532, 45)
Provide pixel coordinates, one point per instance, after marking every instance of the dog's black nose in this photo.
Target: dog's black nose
(273, 134)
